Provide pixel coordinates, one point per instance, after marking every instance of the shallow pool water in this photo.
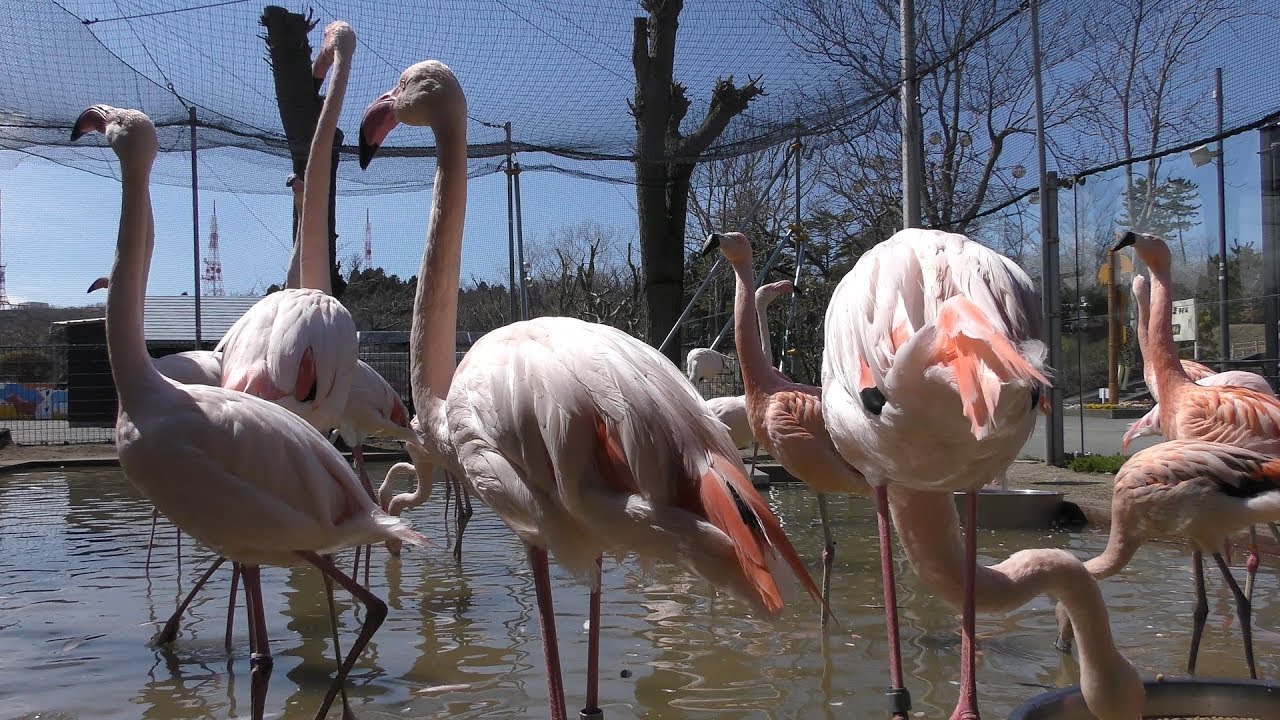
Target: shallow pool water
(77, 611)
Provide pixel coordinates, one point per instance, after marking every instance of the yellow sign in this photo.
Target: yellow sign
(1126, 270)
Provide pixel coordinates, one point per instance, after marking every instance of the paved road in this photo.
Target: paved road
(1101, 436)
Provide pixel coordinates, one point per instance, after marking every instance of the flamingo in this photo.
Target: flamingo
(1142, 302)
(1203, 491)
(704, 363)
(1217, 413)
(732, 409)
(581, 438)
(1149, 424)
(192, 367)
(297, 347)
(931, 340)
(785, 416)
(928, 526)
(292, 279)
(241, 475)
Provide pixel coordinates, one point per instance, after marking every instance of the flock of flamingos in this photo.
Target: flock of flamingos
(586, 441)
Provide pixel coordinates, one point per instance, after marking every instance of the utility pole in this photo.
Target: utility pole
(1113, 328)
(1224, 314)
(195, 224)
(912, 152)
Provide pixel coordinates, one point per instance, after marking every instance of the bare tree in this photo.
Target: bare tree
(975, 95)
(1149, 77)
(589, 272)
(665, 159)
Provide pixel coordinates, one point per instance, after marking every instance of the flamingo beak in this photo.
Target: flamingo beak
(321, 66)
(1126, 240)
(379, 120)
(92, 119)
(795, 289)
(711, 245)
(98, 284)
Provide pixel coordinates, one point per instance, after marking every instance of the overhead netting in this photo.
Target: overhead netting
(561, 73)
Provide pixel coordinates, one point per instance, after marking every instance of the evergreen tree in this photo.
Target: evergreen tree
(1168, 210)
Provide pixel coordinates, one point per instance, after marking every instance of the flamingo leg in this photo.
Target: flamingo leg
(170, 631)
(1243, 611)
(337, 649)
(1199, 613)
(357, 452)
(178, 537)
(231, 604)
(1251, 564)
(375, 613)
(151, 539)
(828, 558)
(448, 499)
(463, 509)
(592, 710)
(547, 617)
(900, 699)
(260, 660)
(967, 708)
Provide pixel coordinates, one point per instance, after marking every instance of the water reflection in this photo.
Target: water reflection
(77, 612)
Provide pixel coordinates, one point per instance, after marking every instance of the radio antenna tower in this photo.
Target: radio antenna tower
(4, 294)
(368, 241)
(212, 261)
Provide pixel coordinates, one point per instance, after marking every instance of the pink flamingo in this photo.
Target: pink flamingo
(256, 484)
(1142, 301)
(732, 409)
(704, 363)
(785, 416)
(581, 438)
(1149, 424)
(1203, 491)
(929, 529)
(1226, 413)
(297, 347)
(931, 338)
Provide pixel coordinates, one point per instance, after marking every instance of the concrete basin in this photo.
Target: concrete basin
(1169, 699)
(1014, 509)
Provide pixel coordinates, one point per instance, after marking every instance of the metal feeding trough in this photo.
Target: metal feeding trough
(1181, 699)
(1015, 509)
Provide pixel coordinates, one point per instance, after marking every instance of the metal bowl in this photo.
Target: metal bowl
(1014, 509)
(1180, 698)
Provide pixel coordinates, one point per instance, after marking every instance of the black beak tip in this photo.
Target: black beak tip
(712, 243)
(1129, 238)
(76, 133)
(797, 291)
(367, 152)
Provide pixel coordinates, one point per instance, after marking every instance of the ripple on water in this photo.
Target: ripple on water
(78, 609)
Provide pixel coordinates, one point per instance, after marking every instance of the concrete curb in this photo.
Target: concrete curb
(114, 461)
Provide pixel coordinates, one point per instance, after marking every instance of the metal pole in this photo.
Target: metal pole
(1269, 156)
(795, 299)
(912, 152)
(524, 290)
(1224, 313)
(511, 228)
(1075, 212)
(1051, 295)
(688, 308)
(195, 223)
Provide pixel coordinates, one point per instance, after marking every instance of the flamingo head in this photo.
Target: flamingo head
(339, 38)
(98, 284)
(127, 131)
(294, 182)
(1151, 248)
(775, 290)
(428, 93)
(733, 245)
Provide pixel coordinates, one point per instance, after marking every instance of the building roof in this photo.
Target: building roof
(172, 318)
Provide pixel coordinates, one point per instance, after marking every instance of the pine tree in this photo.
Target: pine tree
(1174, 208)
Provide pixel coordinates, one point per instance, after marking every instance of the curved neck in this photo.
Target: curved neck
(1164, 353)
(1142, 301)
(1119, 551)
(762, 320)
(313, 228)
(752, 361)
(433, 333)
(131, 369)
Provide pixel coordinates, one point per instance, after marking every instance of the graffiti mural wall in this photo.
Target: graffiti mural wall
(32, 401)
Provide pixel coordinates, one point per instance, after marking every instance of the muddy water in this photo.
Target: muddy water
(77, 610)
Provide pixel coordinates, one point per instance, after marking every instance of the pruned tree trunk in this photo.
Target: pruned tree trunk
(299, 101)
(665, 160)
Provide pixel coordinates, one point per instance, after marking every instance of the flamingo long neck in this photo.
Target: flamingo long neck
(1119, 551)
(131, 369)
(752, 360)
(314, 225)
(1164, 353)
(433, 333)
(929, 528)
(1142, 301)
(762, 319)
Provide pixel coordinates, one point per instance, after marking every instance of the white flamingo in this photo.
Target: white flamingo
(932, 342)
(245, 477)
(581, 438)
